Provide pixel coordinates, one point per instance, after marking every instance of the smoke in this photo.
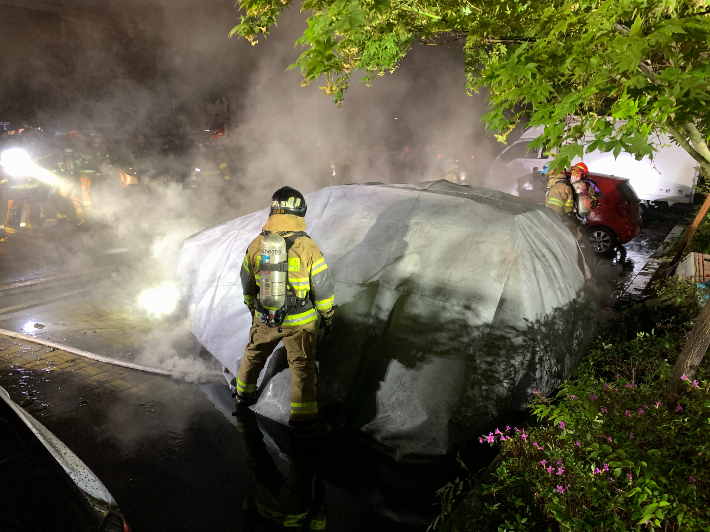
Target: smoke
(156, 73)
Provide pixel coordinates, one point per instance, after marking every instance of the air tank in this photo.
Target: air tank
(272, 285)
(581, 197)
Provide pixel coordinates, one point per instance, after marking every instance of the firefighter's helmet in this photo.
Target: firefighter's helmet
(288, 200)
(581, 167)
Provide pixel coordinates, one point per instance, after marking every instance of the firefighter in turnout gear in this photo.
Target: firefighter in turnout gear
(286, 285)
(560, 196)
(210, 170)
(21, 189)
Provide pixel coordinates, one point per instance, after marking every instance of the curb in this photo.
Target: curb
(97, 358)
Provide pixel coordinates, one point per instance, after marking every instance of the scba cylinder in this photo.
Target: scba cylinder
(273, 266)
(581, 198)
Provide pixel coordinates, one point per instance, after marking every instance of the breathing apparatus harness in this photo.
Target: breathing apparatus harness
(276, 299)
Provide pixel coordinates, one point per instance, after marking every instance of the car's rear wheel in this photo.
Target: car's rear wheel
(602, 240)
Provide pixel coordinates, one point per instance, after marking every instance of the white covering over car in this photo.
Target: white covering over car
(454, 304)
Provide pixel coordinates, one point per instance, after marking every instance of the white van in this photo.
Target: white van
(671, 176)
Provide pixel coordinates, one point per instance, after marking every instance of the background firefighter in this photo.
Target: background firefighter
(563, 200)
(20, 190)
(310, 291)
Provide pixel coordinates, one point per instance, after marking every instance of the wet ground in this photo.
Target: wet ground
(171, 454)
(169, 450)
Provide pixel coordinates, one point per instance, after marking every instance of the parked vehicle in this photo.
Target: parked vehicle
(669, 178)
(45, 486)
(617, 218)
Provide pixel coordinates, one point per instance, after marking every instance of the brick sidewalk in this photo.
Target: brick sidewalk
(111, 326)
(27, 369)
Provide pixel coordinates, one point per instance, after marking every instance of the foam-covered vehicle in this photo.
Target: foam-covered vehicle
(617, 217)
(455, 303)
(45, 486)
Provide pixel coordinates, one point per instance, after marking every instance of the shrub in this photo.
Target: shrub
(611, 456)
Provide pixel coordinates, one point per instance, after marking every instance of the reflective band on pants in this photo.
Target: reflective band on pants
(300, 343)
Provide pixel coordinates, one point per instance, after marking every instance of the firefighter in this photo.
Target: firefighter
(453, 171)
(560, 196)
(580, 175)
(308, 292)
(20, 190)
(210, 169)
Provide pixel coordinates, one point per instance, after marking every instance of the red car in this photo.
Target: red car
(617, 218)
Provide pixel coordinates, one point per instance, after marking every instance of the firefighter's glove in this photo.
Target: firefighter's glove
(593, 202)
(326, 323)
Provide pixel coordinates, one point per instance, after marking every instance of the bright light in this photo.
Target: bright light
(161, 300)
(18, 163)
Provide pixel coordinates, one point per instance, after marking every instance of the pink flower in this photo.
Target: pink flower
(627, 414)
(609, 438)
(543, 463)
(640, 411)
(524, 436)
(645, 406)
(597, 470)
(695, 384)
(573, 396)
(560, 489)
(550, 469)
(559, 462)
(616, 390)
(593, 397)
(606, 387)
(603, 410)
(560, 471)
(561, 424)
(577, 443)
(692, 479)
(606, 467)
(503, 438)
(517, 429)
(491, 438)
(618, 376)
(658, 403)
(507, 428)
(534, 390)
(684, 377)
(679, 408)
(535, 445)
(497, 431)
(628, 475)
(631, 435)
(480, 440)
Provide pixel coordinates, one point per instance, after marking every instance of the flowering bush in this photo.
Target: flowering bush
(606, 453)
(611, 456)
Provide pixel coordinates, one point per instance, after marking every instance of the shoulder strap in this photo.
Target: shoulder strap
(290, 240)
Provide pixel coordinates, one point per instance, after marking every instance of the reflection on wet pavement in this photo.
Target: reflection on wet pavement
(172, 456)
(613, 275)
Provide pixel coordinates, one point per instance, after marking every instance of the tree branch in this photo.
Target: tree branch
(697, 139)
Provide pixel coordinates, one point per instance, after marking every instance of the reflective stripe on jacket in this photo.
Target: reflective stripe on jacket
(308, 274)
(560, 197)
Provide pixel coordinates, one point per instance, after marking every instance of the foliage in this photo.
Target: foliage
(625, 69)
(606, 423)
(610, 456)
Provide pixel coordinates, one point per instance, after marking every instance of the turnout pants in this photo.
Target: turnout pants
(300, 342)
(15, 201)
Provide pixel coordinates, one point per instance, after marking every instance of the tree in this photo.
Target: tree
(626, 70)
